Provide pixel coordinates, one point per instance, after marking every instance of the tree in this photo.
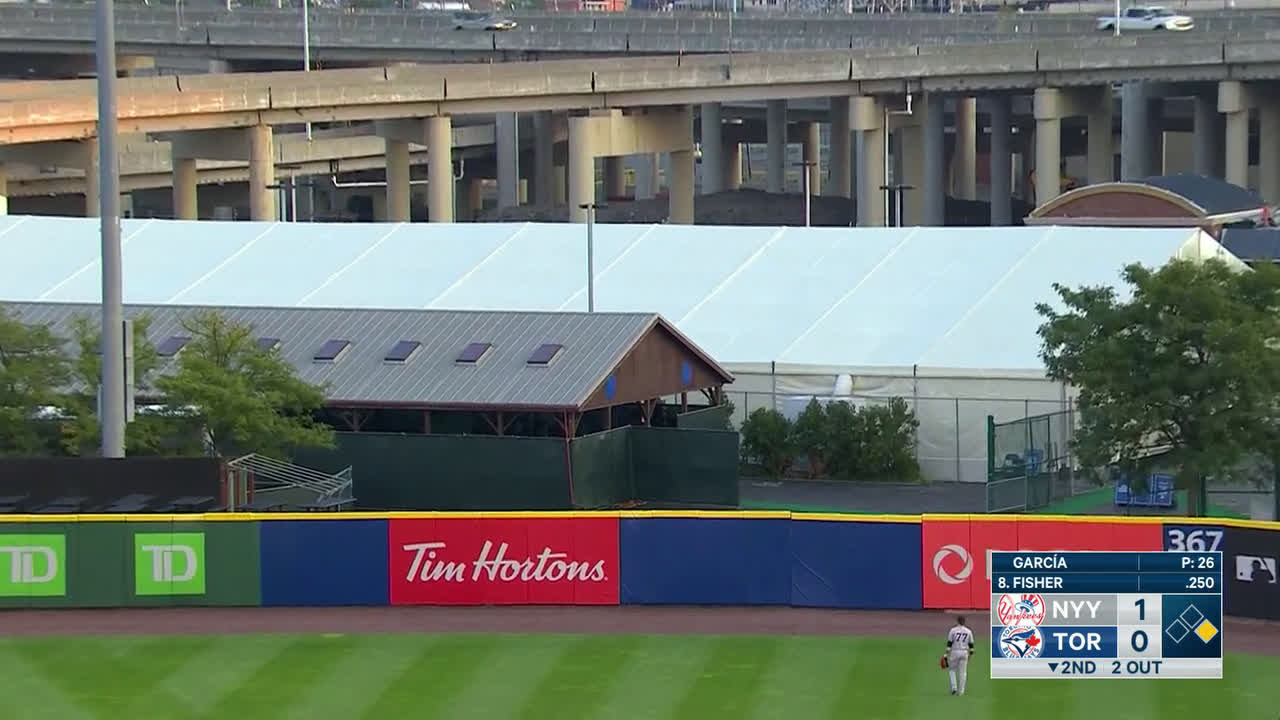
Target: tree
(1189, 365)
(767, 437)
(33, 374)
(244, 399)
(150, 432)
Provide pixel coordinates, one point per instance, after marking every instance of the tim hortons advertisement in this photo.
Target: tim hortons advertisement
(504, 561)
(956, 550)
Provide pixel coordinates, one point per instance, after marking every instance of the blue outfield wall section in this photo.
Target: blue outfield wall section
(324, 562)
(705, 560)
(844, 564)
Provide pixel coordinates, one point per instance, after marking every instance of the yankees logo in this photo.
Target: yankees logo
(1020, 609)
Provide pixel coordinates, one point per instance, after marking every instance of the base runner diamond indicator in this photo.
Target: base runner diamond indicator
(1206, 631)
(1177, 631)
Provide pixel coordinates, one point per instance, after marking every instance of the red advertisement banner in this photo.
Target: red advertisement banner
(956, 549)
(504, 561)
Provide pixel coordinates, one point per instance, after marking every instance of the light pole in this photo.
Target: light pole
(112, 414)
(591, 209)
(804, 166)
(896, 191)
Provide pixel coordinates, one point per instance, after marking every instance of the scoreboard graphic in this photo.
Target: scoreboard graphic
(1106, 615)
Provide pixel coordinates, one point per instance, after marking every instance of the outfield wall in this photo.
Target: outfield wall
(629, 558)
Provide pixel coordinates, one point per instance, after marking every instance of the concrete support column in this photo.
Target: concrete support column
(504, 131)
(681, 190)
(811, 152)
(92, 199)
(839, 150)
(379, 201)
(965, 158)
(647, 177)
(712, 144)
(1101, 152)
(543, 159)
(933, 183)
(581, 169)
(615, 178)
(1001, 159)
(1135, 124)
(1207, 154)
(4, 191)
(1269, 150)
(186, 180)
(1235, 101)
(776, 151)
(731, 157)
(440, 169)
(1048, 114)
(560, 187)
(866, 117)
(398, 188)
(469, 196)
(262, 174)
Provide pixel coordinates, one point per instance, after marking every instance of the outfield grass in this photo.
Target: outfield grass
(563, 677)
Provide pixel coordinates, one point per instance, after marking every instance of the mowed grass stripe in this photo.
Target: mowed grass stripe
(29, 692)
(882, 679)
(806, 678)
(585, 675)
(359, 677)
(501, 686)
(930, 693)
(727, 685)
(428, 685)
(660, 672)
(283, 678)
(227, 663)
(108, 675)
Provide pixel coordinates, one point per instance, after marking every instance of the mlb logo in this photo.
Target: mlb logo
(1254, 569)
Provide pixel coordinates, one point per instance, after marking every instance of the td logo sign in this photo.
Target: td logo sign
(168, 563)
(33, 565)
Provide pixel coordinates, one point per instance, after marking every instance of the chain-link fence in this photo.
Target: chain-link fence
(951, 441)
(1029, 463)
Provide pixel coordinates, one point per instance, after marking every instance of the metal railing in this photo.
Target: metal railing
(269, 474)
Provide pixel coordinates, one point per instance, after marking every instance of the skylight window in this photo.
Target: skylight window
(473, 352)
(172, 345)
(402, 351)
(544, 354)
(332, 350)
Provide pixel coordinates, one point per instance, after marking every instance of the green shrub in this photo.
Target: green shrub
(768, 438)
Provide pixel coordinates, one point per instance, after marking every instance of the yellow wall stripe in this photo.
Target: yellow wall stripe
(642, 514)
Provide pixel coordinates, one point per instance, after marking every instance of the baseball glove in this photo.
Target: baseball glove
(944, 663)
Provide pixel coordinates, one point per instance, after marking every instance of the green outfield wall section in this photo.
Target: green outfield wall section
(602, 469)
(127, 561)
(687, 467)
(450, 472)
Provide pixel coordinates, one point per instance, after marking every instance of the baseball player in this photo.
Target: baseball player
(959, 650)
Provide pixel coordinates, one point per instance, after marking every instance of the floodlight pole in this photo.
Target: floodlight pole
(112, 416)
(591, 253)
(804, 185)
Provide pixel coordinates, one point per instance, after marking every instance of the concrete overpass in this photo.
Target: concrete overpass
(30, 35)
(640, 106)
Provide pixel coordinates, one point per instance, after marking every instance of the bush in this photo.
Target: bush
(767, 438)
(876, 442)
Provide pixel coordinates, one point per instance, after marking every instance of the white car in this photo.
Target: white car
(1148, 18)
(480, 21)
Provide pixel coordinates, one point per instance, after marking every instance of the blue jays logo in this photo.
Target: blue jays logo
(1020, 642)
(1020, 609)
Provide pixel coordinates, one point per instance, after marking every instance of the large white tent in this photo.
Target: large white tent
(943, 317)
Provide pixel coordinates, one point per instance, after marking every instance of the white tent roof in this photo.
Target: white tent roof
(933, 297)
